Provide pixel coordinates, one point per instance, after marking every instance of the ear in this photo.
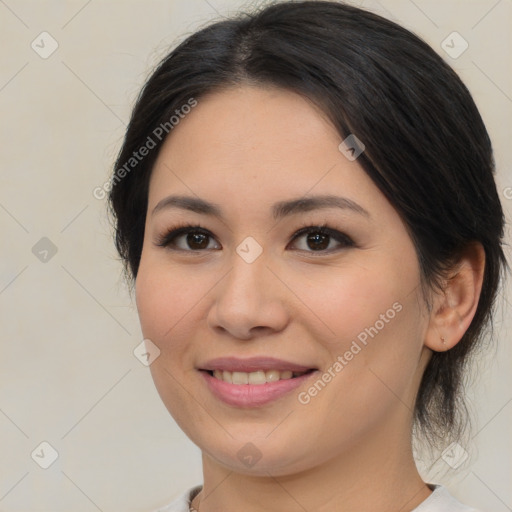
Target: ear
(454, 307)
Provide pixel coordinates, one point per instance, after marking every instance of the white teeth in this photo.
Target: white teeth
(257, 378)
(272, 375)
(240, 378)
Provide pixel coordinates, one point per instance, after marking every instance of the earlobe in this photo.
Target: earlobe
(456, 305)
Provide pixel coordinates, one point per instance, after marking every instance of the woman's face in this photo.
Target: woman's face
(247, 296)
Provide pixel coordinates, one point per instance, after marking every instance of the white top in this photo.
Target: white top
(439, 501)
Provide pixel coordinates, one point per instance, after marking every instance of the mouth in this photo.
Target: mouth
(253, 382)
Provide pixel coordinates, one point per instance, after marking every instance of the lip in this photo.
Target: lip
(253, 395)
(252, 364)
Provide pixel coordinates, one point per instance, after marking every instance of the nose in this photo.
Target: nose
(249, 301)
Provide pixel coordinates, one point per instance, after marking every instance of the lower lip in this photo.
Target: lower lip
(252, 395)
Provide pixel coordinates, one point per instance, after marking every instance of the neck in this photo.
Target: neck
(378, 473)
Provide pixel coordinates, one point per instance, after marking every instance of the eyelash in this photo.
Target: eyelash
(170, 235)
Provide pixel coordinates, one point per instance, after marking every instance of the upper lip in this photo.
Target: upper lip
(252, 364)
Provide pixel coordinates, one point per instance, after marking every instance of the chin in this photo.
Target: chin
(257, 456)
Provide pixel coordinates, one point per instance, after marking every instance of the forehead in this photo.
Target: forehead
(246, 129)
(251, 146)
(243, 120)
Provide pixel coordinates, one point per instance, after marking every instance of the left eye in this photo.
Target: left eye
(319, 238)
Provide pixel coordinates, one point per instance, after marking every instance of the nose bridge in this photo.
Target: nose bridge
(247, 277)
(246, 298)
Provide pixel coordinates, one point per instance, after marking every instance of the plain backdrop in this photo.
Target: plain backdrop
(68, 326)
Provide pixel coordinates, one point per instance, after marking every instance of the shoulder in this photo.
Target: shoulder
(442, 501)
(182, 502)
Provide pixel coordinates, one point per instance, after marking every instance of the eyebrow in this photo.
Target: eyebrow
(279, 210)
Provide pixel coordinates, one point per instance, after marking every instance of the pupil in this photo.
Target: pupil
(197, 238)
(319, 237)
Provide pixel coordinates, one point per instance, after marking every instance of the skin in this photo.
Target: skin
(349, 448)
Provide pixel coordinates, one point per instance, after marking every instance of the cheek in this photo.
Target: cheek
(354, 300)
(154, 303)
(167, 302)
(380, 329)
(372, 320)
(166, 297)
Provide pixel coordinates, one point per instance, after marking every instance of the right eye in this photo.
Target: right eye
(188, 238)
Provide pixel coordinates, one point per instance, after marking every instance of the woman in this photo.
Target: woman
(305, 202)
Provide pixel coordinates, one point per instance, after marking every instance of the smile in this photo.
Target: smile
(257, 378)
(253, 382)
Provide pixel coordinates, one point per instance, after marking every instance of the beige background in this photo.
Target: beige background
(68, 326)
